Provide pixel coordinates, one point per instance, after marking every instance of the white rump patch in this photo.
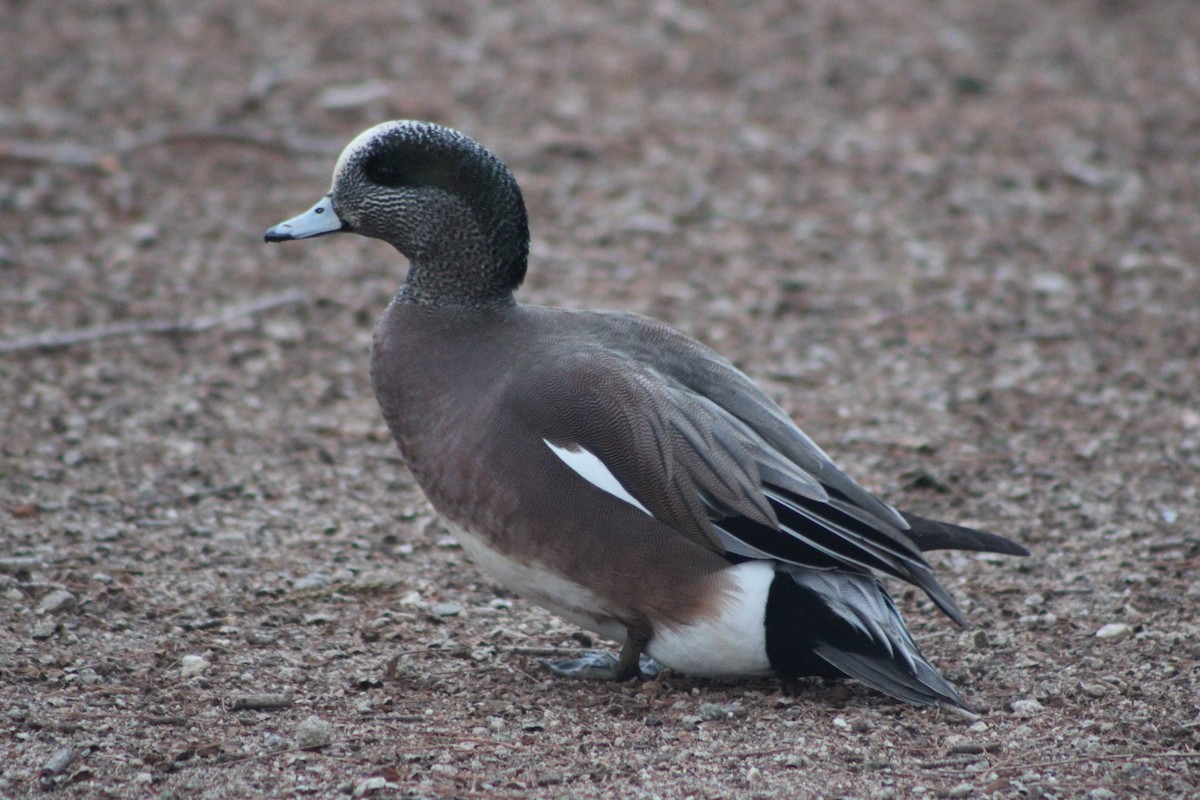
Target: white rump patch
(592, 469)
(733, 642)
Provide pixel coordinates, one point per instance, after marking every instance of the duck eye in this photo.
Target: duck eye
(386, 174)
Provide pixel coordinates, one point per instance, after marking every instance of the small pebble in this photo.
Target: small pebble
(58, 600)
(44, 629)
(73, 458)
(144, 234)
(961, 713)
(260, 637)
(373, 785)
(1114, 630)
(1050, 283)
(193, 665)
(315, 580)
(1046, 690)
(356, 95)
(20, 565)
(313, 733)
(287, 330)
(1026, 708)
(961, 745)
(446, 609)
(413, 599)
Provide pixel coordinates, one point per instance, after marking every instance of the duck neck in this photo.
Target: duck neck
(475, 248)
(461, 275)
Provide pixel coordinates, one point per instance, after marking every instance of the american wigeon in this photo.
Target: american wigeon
(609, 467)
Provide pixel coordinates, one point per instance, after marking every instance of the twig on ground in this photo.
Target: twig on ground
(260, 701)
(269, 141)
(57, 341)
(108, 159)
(170, 719)
(957, 761)
(307, 751)
(740, 754)
(1014, 766)
(190, 497)
(540, 651)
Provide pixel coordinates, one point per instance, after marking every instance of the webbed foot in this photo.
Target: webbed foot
(595, 666)
(607, 667)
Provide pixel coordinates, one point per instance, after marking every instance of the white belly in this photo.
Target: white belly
(567, 599)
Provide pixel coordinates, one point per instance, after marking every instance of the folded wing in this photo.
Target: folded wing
(702, 450)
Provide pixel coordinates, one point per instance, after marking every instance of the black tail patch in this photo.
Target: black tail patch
(832, 623)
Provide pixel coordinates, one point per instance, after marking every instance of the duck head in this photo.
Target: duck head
(441, 199)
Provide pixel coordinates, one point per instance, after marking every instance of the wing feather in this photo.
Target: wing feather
(698, 446)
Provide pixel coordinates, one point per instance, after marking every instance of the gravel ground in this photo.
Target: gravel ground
(958, 241)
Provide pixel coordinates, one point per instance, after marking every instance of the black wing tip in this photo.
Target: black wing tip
(932, 534)
(922, 687)
(1015, 550)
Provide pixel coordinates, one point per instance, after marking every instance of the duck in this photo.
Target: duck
(611, 468)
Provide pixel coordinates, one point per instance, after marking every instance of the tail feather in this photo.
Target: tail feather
(926, 689)
(931, 534)
(822, 622)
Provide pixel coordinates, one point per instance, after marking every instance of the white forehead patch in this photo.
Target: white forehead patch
(358, 142)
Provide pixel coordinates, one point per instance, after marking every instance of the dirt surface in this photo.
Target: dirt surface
(959, 241)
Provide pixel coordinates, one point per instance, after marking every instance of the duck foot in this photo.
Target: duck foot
(595, 666)
(633, 663)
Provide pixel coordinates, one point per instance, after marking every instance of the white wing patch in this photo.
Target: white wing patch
(592, 469)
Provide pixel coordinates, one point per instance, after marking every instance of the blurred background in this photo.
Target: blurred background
(957, 241)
